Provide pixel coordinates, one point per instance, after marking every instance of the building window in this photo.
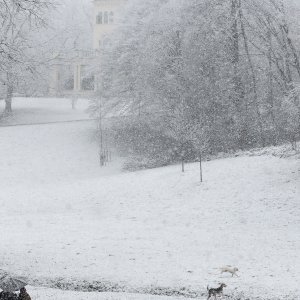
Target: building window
(111, 17)
(87, 79)
(105, 17)
(99, 18)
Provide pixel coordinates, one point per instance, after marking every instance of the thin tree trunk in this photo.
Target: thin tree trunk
(238, 89)
(254, 81)
(270, 84)
(235, 55)
(8, 98)
(200, 162)
(100, 130)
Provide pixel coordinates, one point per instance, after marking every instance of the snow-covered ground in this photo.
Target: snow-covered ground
(39, 110)
(63, 217)
(45, 293)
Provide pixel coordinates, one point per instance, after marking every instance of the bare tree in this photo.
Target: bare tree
(18, 18)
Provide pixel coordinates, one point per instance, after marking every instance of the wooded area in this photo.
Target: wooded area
(203, 76)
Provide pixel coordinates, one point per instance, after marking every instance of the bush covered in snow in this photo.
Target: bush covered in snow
(148, 147)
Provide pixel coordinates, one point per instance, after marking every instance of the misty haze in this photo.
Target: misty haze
(149, 149)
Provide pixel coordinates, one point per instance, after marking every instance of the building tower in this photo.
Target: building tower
(105, 16)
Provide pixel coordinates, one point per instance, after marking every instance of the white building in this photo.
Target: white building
(106, 14)
(69, 75)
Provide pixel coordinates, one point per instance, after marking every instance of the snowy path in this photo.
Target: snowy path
(62, 216)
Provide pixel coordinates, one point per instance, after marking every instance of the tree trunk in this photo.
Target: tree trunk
(235, 55)
(238, 88)
(8, 98)
(200, 162)
(254, 81)
(270, 96)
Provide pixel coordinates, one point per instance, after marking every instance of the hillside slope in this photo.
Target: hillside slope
(63, 217)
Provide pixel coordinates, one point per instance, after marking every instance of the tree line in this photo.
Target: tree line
(200, 76)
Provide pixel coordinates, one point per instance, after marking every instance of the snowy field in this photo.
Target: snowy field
(62, 217)
(39, 110)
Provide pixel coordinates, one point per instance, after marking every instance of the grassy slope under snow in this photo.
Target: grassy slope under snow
(62, 216)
